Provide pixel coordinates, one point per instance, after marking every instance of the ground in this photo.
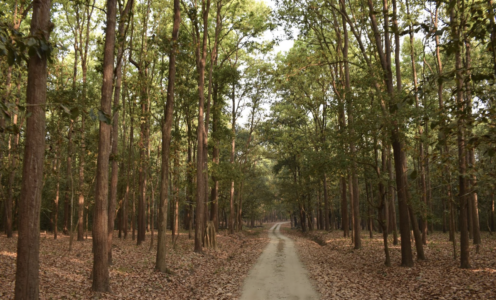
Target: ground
(340, 272)
(212, 275)
(336, 270)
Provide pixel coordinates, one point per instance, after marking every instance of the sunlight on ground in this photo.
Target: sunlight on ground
(488, 270)
(10, 254)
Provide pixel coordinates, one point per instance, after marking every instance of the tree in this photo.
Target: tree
(28, 245)
(101, 280)
(160, 264)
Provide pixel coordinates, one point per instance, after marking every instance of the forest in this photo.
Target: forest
(166, 149)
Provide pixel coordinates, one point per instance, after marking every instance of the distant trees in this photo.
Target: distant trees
(99, 163)
(420, 105)
(362, 113)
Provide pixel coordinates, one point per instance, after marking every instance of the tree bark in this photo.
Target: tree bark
(215, 122)
(115, 128)
(326, 205)
(233, 149)
(101, 280)
(473, 200)
(462, 155)
(69, 187)
(160, 264)
(82, 153)
(28, 245)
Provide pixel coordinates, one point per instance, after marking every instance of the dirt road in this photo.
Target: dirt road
(278, 273)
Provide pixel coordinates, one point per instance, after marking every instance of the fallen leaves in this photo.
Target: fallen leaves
(341, 272)
(210, 275)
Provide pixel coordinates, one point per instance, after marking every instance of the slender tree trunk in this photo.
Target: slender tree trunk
(240, 207)
(82, 153)
(12, 175)
(189, 179)
(326, 204)
(352, 207)
(423, 187)
(473, 200)
(462, 155)
(320, 218)
(68, 191)
(115, 130)
(391, 196)
(101, 280)
(370, 211)
(175, 184)
(160, 264)
(28, 245)
(152, 215)
(354, 178)
(493, 223)
(126, 167)
(57, 193)
(383, 207)
(131, 165)
(233, 149)
(80, 236)
(216, 115)
(7, 202)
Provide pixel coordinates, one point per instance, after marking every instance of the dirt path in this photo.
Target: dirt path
(278, 273)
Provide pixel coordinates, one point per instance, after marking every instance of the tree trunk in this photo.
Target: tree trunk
(462, 155)
(352, 207)
(326, 205)
(240, 207)
(133, 169)
(391, 196)
(233, 149)
(13, 168)
(28, 245)
(423, 187)
(57, 192)
(82, 153)
(125, 169)
(175, 188)
(473, 200)
(216, 115)
(101, 280)
(200, 176)
(115, 129)
(80, 236)
(160, 264)
(69, 187)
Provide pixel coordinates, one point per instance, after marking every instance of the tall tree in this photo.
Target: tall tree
(28, 245)
(167, 122)
(124, 17)
(201, 56)
(457, 21)
(101, 279)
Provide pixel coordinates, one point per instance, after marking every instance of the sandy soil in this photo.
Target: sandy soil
(278, 273)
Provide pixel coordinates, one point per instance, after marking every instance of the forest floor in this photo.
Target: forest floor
(340, 272)
(211, 275)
